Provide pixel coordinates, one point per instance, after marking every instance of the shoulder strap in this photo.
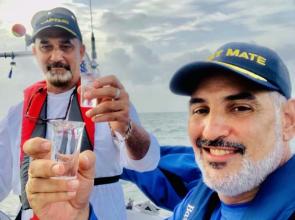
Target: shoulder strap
(34, 94)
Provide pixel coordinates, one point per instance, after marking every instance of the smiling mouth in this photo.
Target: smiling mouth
(217, 151)
(220, 147)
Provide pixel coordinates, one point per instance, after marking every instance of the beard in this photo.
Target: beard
(251, 174)
(57, 78)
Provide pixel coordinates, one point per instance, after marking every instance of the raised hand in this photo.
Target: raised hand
(57, 198)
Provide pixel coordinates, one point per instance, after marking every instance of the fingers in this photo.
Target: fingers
(106, 87)
(42, 190)
(49, 168)
(117, 110)
(113, 101)
(40, 200)
(109, 80)
(37, 148)
(106, 93)
(42, 185)
(45, 168)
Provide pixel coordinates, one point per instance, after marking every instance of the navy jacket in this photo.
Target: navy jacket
(177, 174)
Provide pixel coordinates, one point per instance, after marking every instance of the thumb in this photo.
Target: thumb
(87, 164)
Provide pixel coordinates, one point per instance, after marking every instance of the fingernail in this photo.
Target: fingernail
(73, 184)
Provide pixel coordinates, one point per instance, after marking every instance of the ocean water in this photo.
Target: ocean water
(169, 128)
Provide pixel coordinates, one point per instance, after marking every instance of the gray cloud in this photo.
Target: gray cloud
(25, 73)
(121, 22)
(145, 42)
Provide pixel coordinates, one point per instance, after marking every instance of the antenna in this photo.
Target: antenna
(93, 48)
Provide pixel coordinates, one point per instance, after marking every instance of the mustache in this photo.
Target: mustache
(219, 142)
(58, 65)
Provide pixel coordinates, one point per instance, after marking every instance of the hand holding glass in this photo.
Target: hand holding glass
(66, 138)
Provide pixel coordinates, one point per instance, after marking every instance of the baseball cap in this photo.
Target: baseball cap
(57, 17)
(258, 64)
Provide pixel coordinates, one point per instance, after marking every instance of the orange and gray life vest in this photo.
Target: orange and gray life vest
(34, 107)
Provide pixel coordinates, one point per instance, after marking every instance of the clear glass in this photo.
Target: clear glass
(66, 138)
(87, 80)
(88, 75)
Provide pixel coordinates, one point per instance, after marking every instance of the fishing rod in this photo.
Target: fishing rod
(13, 54)
(94, 64)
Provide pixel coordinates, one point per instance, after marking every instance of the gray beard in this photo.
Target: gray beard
(59, 80)
(251, 174)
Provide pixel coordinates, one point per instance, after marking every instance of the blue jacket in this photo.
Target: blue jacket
(274, 200)
(175, 175)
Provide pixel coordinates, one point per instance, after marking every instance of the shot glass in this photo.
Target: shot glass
(89, 73)
(87, 79)
(66, 138)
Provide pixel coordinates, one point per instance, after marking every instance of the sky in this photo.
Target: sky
(144, 42)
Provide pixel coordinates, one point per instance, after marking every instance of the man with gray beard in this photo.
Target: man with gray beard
(241, 120)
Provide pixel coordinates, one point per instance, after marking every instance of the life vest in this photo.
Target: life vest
(34, 106)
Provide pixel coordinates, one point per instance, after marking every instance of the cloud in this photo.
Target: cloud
(25, 72)
(145, 42)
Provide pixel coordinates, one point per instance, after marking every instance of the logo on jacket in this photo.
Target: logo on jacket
(188, 211)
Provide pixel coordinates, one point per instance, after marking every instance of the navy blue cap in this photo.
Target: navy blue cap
(259, 64)
(57, 17)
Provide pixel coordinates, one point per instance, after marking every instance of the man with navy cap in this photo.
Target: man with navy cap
(112, 128)
(241, 120)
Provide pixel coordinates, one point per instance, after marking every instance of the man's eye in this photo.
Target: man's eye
(241, 108)
(66, 47)
(45, 47)
(200, 111)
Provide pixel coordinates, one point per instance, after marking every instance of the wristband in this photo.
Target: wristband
(128, 131)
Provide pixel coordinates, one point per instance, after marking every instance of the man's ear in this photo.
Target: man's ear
(289, 120)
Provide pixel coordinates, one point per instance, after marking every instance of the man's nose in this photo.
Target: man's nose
(56, 55)
(215, 126)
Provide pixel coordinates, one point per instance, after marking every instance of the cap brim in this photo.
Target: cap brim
(186, 79)
(53, 26)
